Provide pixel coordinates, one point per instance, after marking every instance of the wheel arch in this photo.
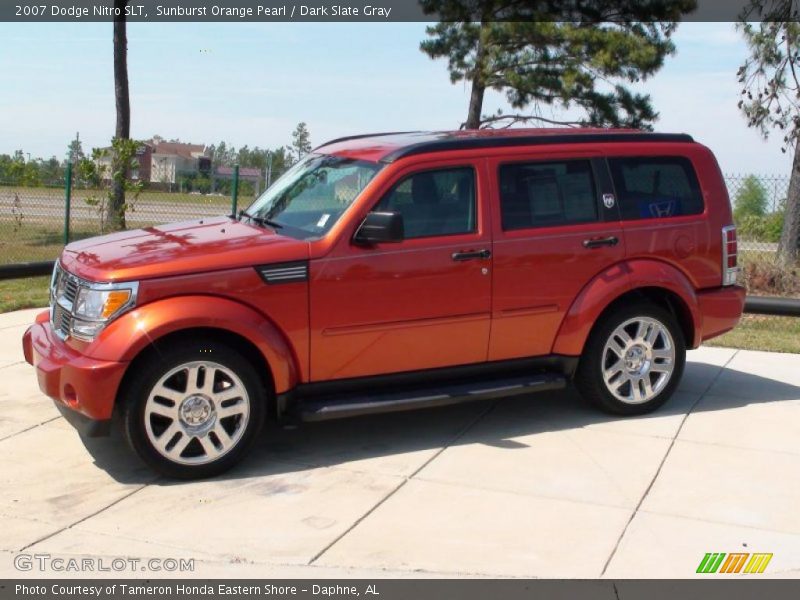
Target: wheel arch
(661, 297)
(665, 286)
(145, 329)
(211, 334)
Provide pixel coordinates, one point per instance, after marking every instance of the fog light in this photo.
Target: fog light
(86, 330)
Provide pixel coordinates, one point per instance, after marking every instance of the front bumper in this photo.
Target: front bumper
(84, 389)
(721, 309)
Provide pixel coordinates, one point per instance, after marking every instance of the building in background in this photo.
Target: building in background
(172, 161)
(162, 163)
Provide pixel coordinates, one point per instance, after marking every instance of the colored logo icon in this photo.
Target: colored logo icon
(734, 562)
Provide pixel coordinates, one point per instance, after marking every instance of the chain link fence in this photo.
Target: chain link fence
(34, 224)
(759, 209)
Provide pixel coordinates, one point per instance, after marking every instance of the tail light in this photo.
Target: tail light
(730, 263)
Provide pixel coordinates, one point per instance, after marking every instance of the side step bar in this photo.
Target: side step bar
(340, 406)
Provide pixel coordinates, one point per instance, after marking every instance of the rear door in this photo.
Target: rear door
(663, 212)
(556, 226)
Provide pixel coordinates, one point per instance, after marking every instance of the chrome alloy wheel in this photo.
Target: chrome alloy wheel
(638, 360)
(196, 413)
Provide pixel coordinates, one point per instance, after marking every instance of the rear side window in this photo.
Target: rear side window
(656, 187)
(547, 194)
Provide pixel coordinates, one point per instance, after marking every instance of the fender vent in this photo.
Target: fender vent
(290, 272)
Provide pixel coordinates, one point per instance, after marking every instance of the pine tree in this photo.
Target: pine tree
(75, 152)
(567, 54)
(301, 140)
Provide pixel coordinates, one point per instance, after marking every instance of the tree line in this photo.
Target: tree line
(19, 169)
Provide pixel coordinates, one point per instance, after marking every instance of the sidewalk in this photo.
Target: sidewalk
(531, 487)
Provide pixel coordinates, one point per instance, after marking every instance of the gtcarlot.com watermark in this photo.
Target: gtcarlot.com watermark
(44, 563)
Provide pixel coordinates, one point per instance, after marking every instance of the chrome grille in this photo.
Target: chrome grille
(62, 321)
(63, 291)
(70, 289)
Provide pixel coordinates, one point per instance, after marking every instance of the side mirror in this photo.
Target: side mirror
(380, 228)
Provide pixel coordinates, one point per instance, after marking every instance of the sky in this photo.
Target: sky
(251, 83)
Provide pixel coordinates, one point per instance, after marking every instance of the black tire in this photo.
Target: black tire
(149, 374)
(589, 377)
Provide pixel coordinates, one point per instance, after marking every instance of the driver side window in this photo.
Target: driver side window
(434, 203)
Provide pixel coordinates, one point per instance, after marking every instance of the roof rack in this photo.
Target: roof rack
(455, 143)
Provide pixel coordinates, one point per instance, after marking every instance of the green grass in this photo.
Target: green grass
(16, 294)
(760, 332)
(35, 242)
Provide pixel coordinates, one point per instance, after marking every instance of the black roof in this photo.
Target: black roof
(537, 140)
(409, 143)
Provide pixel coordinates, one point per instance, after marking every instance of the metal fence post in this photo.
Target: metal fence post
(67, 201)
(235, 192)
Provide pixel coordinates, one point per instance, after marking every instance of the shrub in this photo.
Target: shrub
(765, 277)
(766, 228)
(751, 199)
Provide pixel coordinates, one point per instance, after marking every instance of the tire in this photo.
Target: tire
(177, 426)
(633, 360)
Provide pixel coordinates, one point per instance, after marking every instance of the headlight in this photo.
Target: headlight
(98, 303)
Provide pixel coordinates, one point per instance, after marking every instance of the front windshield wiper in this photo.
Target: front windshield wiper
(260, 220)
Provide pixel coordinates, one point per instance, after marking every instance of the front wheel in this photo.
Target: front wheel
(194, 410)
(633, 360)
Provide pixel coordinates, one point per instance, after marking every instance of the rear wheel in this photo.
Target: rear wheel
(194, 410)
(633, 360)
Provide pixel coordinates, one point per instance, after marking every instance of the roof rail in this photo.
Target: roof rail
(361, 136)
(456, 143)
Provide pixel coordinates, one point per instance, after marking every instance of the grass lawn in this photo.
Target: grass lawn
(35, 242)
(761, 332)
(16, 294)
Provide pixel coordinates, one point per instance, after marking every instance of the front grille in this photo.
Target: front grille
(62, 321)
(63, 292)
(70, 289)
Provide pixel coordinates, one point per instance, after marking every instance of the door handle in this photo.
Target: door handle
(598, 242)
(471, 255)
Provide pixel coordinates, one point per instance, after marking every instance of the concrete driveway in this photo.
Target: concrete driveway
(533, 487)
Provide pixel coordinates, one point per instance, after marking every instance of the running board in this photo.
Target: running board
(343, 406)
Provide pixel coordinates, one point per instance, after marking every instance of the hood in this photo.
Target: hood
(179, 249)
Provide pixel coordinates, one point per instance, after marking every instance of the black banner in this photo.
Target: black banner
(363, 10)
(392, 589)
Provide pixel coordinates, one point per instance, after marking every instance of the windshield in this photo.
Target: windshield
(309, 198)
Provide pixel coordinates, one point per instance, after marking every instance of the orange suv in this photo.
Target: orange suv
(395, 271)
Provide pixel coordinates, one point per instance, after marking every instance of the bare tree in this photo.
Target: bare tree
(770, 101)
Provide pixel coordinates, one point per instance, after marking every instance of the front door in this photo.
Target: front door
(418, 304)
